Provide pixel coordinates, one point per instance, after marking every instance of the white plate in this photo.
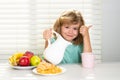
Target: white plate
(35, 71)
(23, 67)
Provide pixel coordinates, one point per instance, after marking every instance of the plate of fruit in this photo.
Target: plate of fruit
(45, 68)
(22, 67)
(27, 60)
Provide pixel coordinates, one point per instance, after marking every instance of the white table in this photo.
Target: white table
(103, 71)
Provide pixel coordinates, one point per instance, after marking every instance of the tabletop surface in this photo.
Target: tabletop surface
(102, 71)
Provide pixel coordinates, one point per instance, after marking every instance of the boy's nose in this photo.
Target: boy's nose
(70, 31)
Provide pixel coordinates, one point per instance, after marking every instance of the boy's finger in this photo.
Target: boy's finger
(89, 26)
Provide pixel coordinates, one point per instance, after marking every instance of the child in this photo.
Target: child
(72, 28)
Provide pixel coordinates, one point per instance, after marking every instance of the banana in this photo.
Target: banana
(14, 59)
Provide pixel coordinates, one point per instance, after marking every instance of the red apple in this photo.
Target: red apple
(24, 61)
(29, 54)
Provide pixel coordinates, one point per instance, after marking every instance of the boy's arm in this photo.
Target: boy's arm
(84, 30)
(87, 45)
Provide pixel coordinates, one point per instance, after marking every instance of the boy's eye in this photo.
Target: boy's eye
(75, 28)
(66, 27)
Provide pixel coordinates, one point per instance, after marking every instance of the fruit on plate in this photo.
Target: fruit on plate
(14, 59)
(35, 60)
(24, 61)
(29, 54)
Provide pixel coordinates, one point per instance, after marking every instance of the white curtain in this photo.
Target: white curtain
(23, 21)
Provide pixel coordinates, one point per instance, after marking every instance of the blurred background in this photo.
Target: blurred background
(111, 30)
(23, 21)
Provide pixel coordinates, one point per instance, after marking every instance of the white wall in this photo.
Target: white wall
(111, 30)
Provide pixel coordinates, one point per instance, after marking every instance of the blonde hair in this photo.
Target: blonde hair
(68, 17)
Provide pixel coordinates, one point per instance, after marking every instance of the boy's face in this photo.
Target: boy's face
(69, 31)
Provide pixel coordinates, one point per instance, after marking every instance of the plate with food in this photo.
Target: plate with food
(49, 73)
(48, 69)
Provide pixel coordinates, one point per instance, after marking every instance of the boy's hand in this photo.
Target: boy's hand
(84, 30)
(47, 34)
